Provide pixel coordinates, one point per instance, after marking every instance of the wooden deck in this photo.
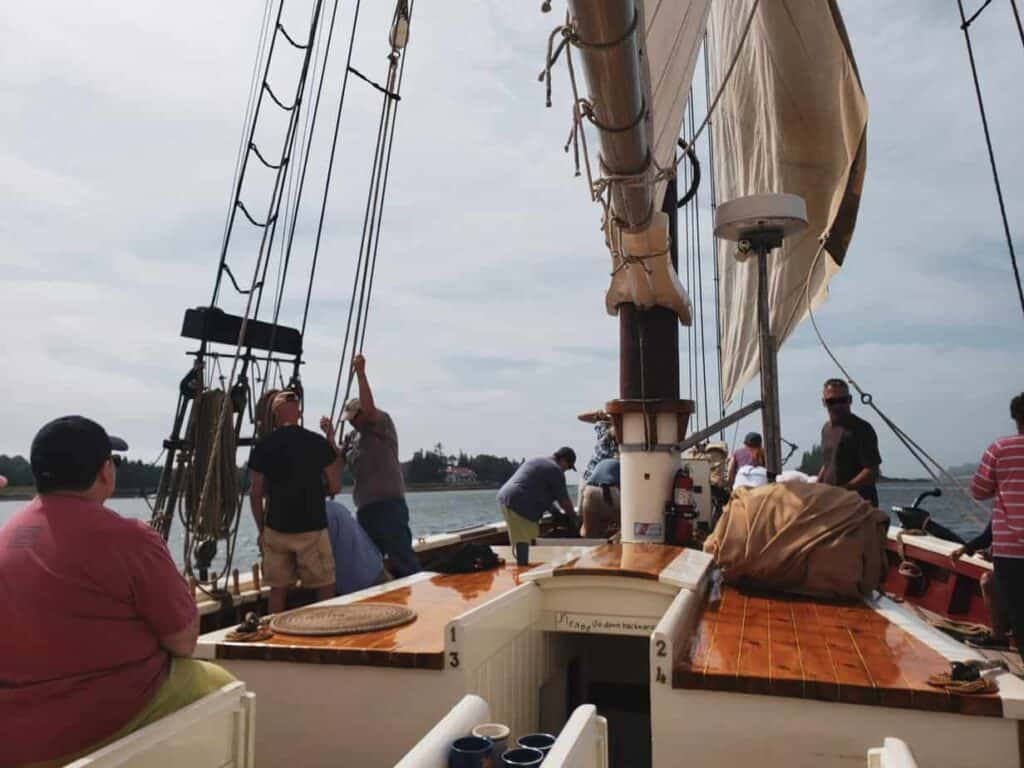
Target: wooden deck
(638, 561)
(420, 645)
(788, 646)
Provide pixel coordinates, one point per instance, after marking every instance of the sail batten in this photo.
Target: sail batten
(792, 118)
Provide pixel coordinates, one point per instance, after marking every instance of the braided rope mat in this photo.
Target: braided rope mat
(342, 619)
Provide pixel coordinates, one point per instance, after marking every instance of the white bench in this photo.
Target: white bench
(215, 732)
(894, 753)
(583, 742)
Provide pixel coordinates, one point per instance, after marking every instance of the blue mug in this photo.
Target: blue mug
(471, 752)
(522, 757)
(542, 742)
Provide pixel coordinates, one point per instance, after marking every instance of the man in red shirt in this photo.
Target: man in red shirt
(99, 624)
(1000, 475)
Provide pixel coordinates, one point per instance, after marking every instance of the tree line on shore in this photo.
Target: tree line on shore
(427, 466)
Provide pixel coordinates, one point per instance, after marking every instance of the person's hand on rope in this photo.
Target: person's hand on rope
(359, 365)
(327, 427)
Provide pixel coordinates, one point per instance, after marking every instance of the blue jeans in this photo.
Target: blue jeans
(387, 524)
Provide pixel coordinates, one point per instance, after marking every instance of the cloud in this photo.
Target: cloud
(120, 125)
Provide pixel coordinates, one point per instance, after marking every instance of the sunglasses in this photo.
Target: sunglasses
(117, 460)
(845, 400)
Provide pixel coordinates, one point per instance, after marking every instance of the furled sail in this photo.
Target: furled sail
(639, 59)
(792, 118)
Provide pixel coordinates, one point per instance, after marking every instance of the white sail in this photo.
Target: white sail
(673, 31)
(792, 118)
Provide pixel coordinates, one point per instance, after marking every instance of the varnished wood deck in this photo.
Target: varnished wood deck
(638, 561)
(789, 646)
(418, 645)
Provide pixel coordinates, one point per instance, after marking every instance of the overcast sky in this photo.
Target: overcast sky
(119, 124)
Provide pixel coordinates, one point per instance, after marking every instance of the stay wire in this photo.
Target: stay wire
(255, 293)
(714, 239)
(237, 196)
(360, 309)
(700, 290)
(384, 190)
(242, 148)
(934, 469)
(1016, 17)
(311, 117)
(358, 299)
(965, 26)
(330, 170)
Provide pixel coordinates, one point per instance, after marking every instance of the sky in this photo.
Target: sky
(119, 128)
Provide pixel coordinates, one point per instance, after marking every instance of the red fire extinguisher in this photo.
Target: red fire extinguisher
(682, 511)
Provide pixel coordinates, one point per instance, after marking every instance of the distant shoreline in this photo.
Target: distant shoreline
(26, 492)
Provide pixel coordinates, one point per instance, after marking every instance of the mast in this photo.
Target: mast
(649, 417)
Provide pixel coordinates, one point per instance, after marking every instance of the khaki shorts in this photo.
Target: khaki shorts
(305, 556)
(519, 528)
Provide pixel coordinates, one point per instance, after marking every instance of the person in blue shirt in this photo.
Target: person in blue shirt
(357, 561)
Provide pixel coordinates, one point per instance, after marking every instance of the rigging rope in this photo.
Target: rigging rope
(307, 142)
(359, 307)
(965, 26)
(700, 286)
(330, 169)
(1016, 17)
(218, 454)
(934, 469)
(728, 74)
(714, 238)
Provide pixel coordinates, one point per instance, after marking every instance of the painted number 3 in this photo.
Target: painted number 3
(453, 660)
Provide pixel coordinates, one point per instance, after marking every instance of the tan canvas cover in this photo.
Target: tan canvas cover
(809, 538)
(793, 118)
(673, 30)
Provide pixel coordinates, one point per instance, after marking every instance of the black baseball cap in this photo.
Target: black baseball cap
(567, 453)
(752, 438)
(68, 452)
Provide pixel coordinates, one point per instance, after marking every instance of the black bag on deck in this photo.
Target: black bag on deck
(469, 558)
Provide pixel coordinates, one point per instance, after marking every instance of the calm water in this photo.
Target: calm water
(442, 511)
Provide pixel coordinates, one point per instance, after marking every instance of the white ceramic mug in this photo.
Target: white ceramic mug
(496, 732)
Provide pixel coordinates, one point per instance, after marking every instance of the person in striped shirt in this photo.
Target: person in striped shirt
(1000, 476)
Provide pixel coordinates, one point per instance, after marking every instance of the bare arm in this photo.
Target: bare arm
(732, 471)
(182, 643)
(866, 476)
(332, 474)
(256, 491)
(366, 403)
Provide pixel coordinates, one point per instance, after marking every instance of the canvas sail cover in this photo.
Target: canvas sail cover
(669, 35)
(792, 118)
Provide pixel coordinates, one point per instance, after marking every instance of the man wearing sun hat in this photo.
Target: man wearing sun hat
(290, 469)
(371, 452)
(99, 624)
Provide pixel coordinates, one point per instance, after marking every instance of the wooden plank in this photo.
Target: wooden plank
(640, 561)
(793, 646)
(419, 644)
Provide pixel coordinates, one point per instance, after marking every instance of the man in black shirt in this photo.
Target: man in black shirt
(849, 445)
(292, 467)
